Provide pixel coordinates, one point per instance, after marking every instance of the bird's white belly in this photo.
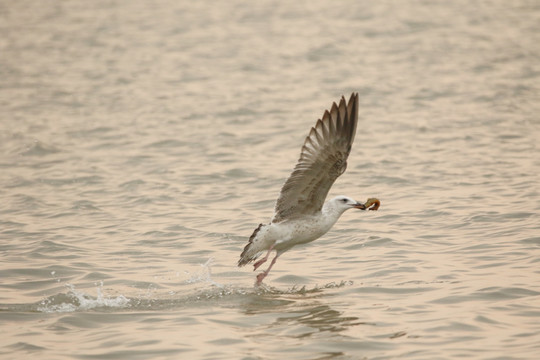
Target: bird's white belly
(290, 233)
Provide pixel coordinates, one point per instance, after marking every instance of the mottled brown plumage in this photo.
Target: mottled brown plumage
(322, 160)
(301, 214)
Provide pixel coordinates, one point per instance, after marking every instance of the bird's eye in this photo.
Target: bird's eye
(344, 200)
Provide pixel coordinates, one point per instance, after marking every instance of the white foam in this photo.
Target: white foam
(77, 300)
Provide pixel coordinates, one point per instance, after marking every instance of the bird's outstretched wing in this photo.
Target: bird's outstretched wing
(322, 160)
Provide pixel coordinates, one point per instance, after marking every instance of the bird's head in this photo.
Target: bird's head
(344, 203)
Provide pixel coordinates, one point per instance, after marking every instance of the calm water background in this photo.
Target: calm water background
(141, 142)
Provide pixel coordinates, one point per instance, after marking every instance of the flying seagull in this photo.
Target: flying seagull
(301, 215)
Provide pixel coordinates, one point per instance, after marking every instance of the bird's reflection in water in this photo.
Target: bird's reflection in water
(303, 308)
(320, 318)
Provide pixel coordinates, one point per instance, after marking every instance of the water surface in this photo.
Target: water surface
(142, 142)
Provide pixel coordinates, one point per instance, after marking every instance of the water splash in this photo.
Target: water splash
(75, 300)
(205, 275)
(264, 289)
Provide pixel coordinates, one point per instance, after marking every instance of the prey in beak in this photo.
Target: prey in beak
(371, 204)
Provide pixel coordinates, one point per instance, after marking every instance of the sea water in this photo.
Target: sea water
(142, 142)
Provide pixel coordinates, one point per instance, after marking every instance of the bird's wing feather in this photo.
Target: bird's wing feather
(322, 160)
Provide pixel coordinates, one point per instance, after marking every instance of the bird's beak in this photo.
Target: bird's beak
(359, 206)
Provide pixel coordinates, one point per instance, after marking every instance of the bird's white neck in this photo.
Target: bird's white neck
(331, 213)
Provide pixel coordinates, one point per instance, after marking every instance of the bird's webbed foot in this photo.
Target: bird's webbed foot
(260, 278)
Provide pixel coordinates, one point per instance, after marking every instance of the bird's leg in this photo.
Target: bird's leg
(262, 275)
(263, 260)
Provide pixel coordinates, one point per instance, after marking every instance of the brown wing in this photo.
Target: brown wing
(322, 160)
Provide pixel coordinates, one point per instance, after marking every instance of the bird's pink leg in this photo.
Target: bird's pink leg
(262, 275)
(263, 260)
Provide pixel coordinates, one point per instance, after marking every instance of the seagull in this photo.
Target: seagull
(301, 213)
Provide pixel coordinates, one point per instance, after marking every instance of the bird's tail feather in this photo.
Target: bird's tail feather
(251, 250)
